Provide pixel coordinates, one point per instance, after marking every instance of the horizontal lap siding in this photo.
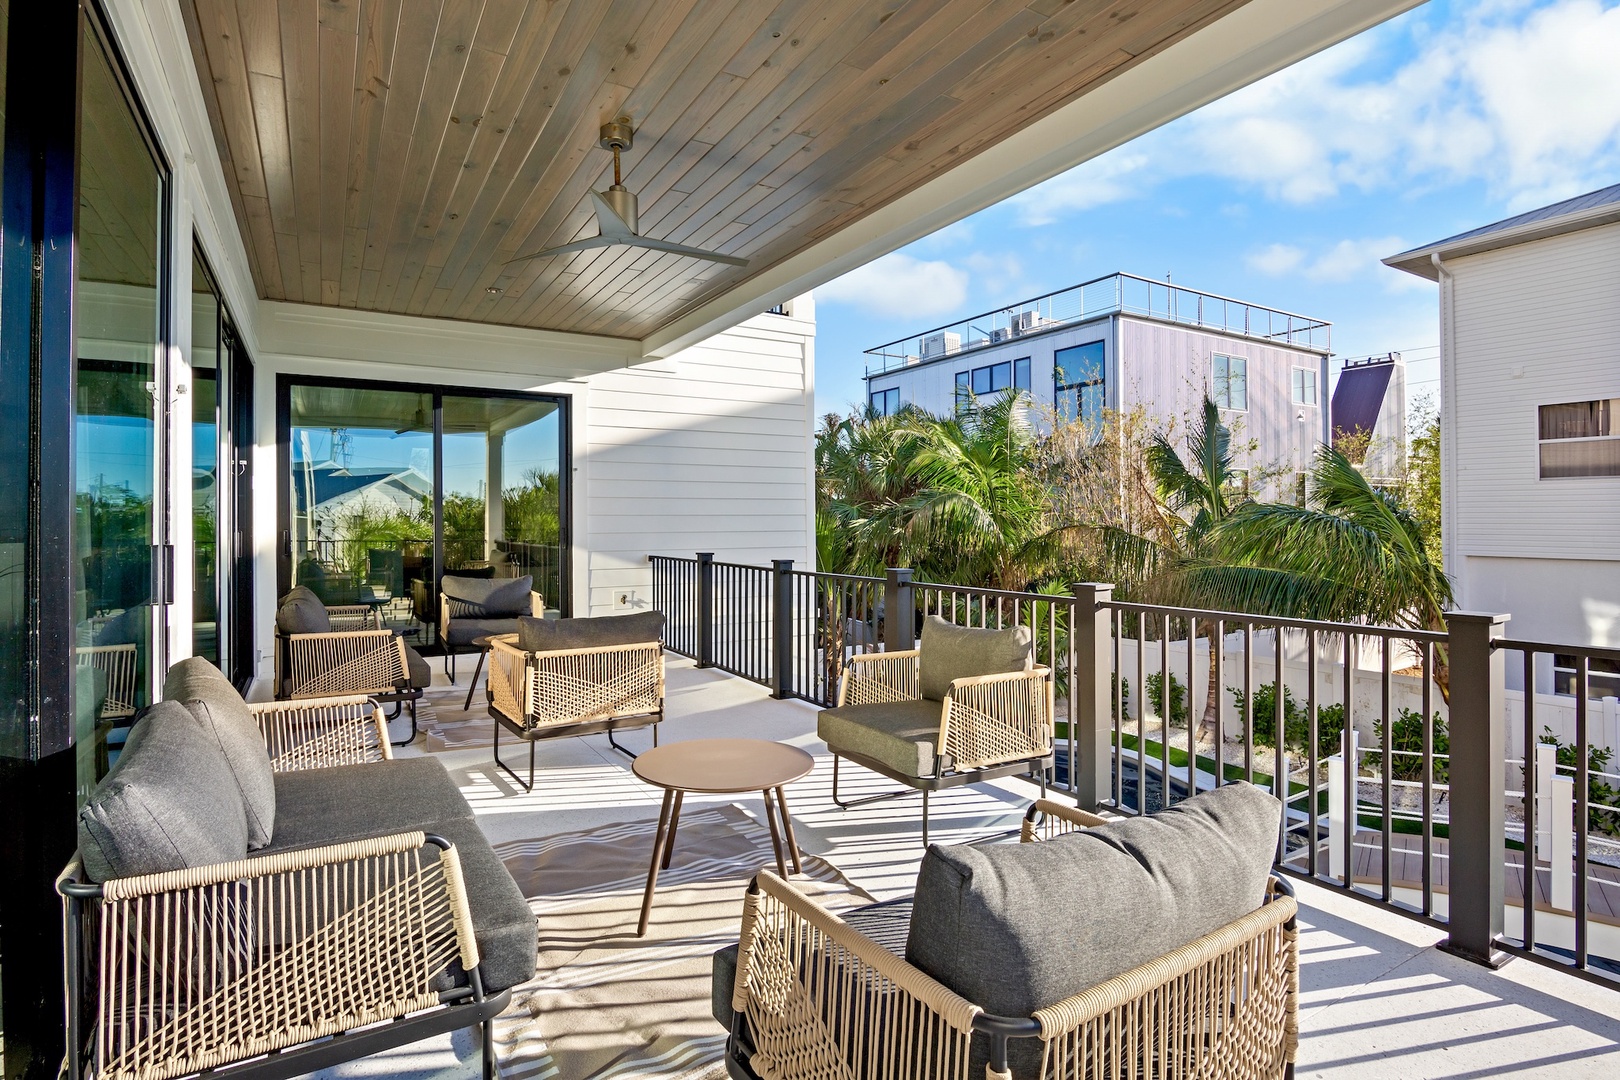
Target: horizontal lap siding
(710, 450)
(1534, 324)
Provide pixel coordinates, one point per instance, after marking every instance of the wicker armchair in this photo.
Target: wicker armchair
(813, 996)
(354, 655)
(982, 727)
(551, 693)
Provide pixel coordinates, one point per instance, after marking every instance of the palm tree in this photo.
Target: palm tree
(862, 478)
(1163, 559)
(1352, 552)
(980, 514)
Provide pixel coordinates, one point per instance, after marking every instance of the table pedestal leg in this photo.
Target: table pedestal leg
(787, 827)
(474, 684)
(776, 835)
(674, 823)
(657, 859)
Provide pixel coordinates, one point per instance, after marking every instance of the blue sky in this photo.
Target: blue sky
(1289, 192)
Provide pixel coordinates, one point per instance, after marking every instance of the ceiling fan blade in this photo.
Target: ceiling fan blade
(682, 249)
(567, 249)
(608, 219)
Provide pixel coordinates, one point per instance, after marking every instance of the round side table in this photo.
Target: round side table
(719, 767)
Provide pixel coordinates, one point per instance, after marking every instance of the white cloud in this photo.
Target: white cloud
(1275, 260)
(1525, 99)
(900, 283)
(996, 274)
(1094, 183)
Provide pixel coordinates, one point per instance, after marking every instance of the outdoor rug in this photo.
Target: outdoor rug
(605, 1003)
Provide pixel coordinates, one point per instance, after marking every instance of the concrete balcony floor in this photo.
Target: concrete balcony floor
(1378, 1000)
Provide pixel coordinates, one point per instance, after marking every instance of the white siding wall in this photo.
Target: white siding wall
(708, 451)
(1530, 325)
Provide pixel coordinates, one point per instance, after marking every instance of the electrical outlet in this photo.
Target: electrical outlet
(623, 599)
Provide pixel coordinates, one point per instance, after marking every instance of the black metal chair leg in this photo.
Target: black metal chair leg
(925, 817)
(404, 703)
(842, 805)
(496, 750)
(491, 1066)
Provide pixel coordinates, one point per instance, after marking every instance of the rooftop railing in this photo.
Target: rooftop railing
(1489, 815)
(1115, 294)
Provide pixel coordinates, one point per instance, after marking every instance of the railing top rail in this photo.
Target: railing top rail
(671, 558)
(1591, 652)
(837, 577)
(1399, 633)
(999, 594)
(741, 566)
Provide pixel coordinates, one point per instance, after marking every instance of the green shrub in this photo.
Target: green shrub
(1296, 721)
(1407, 740)
(1598, 792)
(1178, 698)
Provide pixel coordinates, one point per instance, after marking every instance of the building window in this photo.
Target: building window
(964, 391)
(1231, 382)
(1021, 374)
(992, 378)
(886, 402)
(1080, 384)
(1602, 676)
(1578, 438)
(1304, 386)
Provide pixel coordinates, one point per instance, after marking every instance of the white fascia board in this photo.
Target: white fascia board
(1259, 38)
(310, 331)
(1419, 263)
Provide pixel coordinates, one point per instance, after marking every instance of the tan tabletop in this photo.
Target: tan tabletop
(719, 767)
(723, 766)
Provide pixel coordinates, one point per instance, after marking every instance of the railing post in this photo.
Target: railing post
(705, 609)
(1091, 736)
(1478, 749)
(899, 618)
(781, 628)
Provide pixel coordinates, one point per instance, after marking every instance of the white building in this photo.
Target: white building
(1123, 342)
(1530, 447)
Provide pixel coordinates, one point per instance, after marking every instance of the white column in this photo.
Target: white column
(494, 504)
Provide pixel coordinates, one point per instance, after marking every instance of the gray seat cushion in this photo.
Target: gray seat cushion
(951, 652)
(216, 705)
(301, 612)
(166, 804)
(1017, 927)
(354, 802)
(901, 735)
(884, 923)
(552, 635)
(421, 675)
(488, 598)
(462, 631)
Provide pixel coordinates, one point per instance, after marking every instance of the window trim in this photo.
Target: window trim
(1215, 387)
(1604, 416)
(1100, 380)
(1296, 381)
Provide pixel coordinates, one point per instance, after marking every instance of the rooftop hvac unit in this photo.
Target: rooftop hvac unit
(1003, 334)
(941, 344)
(1025, 321)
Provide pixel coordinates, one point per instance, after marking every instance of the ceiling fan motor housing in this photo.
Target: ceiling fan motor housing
(623, 203)
(616, 134)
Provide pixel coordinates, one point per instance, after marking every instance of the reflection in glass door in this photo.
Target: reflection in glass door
(502, 495)
(205, 477)
(119, 498)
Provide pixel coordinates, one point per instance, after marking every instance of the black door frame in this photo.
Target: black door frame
(565, 484)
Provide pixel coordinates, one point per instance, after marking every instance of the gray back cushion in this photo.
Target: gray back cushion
(224, 717)
(1017, 927)
(551, 635)
(164, 806)
(952, 652)
(301, 612)
(476, 598)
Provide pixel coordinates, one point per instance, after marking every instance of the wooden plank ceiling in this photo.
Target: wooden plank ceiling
(392, 155)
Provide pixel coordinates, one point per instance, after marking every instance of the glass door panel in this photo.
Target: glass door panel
(118, 497)
(502, 489)
(205, 477)
(361, 506)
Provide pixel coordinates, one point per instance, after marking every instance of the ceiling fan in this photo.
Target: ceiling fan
(616, 213)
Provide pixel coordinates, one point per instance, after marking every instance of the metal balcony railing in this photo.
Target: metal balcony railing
(1389, 793)
(1115, 294)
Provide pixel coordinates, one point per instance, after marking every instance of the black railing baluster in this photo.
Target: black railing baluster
(1312, 733)
(1583, 762)
(1426, 673)
(1530, 824)
(1387, 776)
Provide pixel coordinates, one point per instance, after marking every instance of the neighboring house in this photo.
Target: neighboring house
(1122, 342)
(1530, 446)
(1369, 414)
(340, 491)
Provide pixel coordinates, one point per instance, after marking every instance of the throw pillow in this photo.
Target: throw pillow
(488, 598)
(553, 635)
(224, 716)
(163, 807)
(951, 652)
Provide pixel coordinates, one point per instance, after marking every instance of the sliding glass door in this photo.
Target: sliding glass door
(120, 558)
(387, 488)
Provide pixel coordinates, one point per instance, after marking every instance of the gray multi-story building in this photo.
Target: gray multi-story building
(1124, 341)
